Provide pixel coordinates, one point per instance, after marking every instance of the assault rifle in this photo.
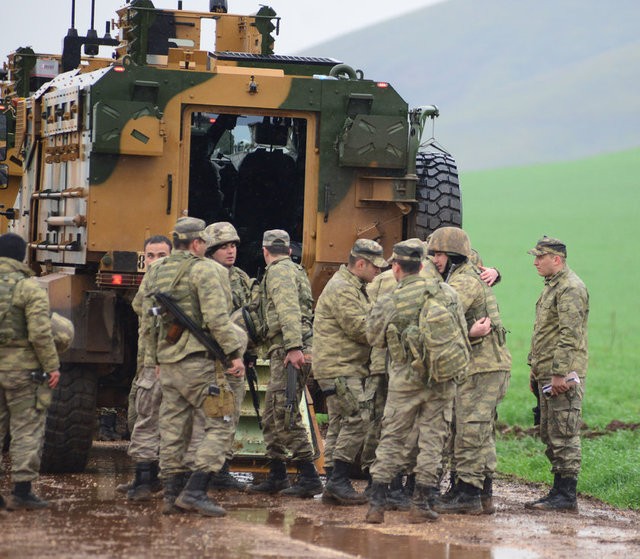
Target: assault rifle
(291, 397)
(184, 322)
(252, 381)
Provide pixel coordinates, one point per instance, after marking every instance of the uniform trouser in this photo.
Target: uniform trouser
(278, 435)
(132, 414)
(475, 441)
(22, 413)
(185, 385)
(145, 436)
(430, 408)
(238, 388)
(347, 420)
(375, 397)
(560, 420)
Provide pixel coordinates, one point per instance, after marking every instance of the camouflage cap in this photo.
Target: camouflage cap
(549, 245)
(411, 250)
(221, 233)
(63, 332)
(275, 238)
(189, 228)
(369, 250)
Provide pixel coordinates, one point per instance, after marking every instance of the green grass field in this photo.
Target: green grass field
(593, 206)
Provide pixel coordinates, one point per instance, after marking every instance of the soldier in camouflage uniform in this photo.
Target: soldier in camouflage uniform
(288, 307)
(145, 397)
(188, 373)
(414, 397)
(341, 355)
(489, 372)
(223, 248)
(28, 350)
(559, 349)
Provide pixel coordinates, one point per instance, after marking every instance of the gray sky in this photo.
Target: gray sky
(42, 24)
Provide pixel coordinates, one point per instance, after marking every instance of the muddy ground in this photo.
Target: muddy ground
(88, 518)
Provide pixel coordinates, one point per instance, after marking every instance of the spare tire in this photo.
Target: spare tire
(437, 193)
(71, 420)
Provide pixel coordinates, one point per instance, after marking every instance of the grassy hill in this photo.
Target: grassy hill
(517, 82)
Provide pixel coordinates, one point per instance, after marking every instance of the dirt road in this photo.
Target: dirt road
(88, 518)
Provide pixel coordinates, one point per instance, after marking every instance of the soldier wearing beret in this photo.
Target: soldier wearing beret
(558, 357)
(341, 355)
(188, 376)
(28, 350)
(288, 307)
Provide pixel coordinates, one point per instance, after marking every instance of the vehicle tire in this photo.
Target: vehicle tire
(437, 193)
(71, 421)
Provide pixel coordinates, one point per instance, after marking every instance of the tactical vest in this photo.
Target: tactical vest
(13, 325)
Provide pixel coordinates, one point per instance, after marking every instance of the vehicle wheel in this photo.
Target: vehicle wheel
(70, 421)
(437, 193)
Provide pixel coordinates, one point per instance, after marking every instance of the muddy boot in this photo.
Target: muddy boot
(397, 498)
(22, 498)
(421, 510)
(486, 496)
(140, 490)
(107, 431)
(194, 496)
(276, 481)
(466, 500)
(552, 493)
(224, 481)
(565, 498)
(339, 486)
(3, 506)
(308, 483)
(172, 487)
(377, 503)
(155, 483)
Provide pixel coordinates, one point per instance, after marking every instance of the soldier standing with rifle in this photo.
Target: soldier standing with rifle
(288, 310)
(186, 319)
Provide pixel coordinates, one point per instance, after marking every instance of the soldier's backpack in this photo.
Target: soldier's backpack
(439, 345)
(253, 313)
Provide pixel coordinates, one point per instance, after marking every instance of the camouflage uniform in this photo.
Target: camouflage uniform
(341, 354)
(559, 347)
(27, 344)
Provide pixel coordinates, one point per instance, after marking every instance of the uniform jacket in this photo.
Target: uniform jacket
(26, 341)
(559, 341)
(340, 347)
(240, 287)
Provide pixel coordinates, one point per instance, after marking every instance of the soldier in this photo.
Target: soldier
(557, 358)
(417, 394)
(29, 369)
(223, 248)
(341, 354)
(145, 397)
(187, 370)
(288, 305)
(478, 397)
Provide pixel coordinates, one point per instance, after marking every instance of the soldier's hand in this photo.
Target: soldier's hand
(480, 327)
(489, 275)
(54, 378)
(295, 357)
(558, 385)
(237, 368)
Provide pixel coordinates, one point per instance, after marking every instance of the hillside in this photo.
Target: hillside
(516, 82)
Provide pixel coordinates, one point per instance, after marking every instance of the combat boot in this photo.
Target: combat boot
(552, 493)
(276, 481)
(339, 487)
(3, 506)
(173, 485)
(328, 472)
(377, 503)
(155, 484)
(194, 496)
(486, 496)
(410, 486)
(451, 489)
(565, 498)
(140, 489)
(107, 430)
(22, 498)
(224, 481)
(308, 483)
(396, 498)
(465, 500)
(421, 510)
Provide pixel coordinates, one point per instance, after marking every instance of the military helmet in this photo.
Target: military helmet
(451, 240)
(221, 233)
(63, 332)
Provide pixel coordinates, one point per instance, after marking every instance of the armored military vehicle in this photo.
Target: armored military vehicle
(116, 154)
